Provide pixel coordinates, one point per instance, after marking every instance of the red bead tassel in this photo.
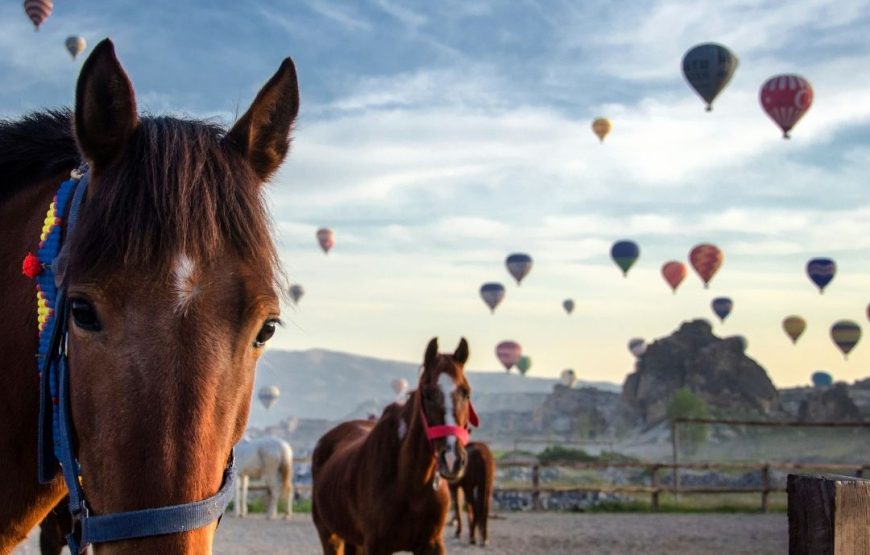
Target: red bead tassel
(31, 267)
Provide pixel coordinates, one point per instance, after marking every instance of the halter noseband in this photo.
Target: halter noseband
(446, 430)
(55, 415)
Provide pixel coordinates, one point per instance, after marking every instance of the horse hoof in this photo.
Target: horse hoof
(473, 542)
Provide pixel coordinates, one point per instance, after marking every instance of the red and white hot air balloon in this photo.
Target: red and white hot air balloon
(326, 238)
(508, 353)
(38, 11)
(786, 98)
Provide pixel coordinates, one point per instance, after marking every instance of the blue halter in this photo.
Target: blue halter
(55, 418)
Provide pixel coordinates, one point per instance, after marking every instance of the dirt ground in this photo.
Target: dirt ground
(542, 533)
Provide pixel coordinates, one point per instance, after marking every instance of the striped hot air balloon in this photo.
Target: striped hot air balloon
(786, 98)
(706, 259)
(674, 273)
(846, 335)
(508, 353)
(38, 11)
(821, 271)
(492, 294)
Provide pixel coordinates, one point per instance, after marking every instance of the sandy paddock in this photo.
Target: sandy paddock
(542, 533)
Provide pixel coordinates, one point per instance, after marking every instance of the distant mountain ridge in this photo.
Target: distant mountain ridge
(318, 383)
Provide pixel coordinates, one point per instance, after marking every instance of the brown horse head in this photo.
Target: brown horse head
(173, 279)
(444, 400)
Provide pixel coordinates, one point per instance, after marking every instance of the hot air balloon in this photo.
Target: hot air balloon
(568, 305)
(268, 395)
(568, 377)
(509, 353)
(821, 272)
(38, 10)
(674, 273)
(399, 385)
(601, 127)
(786, 98)
(523, 364)
(846, 335)
(637, 346)
(708, 68)
(794, 326)
(492, 294)
(296, 292)
(519, 265)
(706, 259)
(75, 45)
(820, 378)
(326, 238)
(722, 307)
(625, 254)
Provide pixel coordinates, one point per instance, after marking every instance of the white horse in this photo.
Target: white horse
(270, 459)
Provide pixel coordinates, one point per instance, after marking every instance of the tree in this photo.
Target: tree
(685, 404)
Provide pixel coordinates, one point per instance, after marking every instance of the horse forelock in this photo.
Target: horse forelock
(178, 190)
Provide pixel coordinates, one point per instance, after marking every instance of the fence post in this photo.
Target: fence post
(860, 472)
(654, 481)
(675, 442)
(765, 486)
(536, 484)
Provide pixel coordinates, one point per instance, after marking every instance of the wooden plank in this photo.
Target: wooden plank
(828, 515)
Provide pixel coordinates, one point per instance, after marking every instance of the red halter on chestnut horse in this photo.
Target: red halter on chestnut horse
(169, 282)
(378, 486)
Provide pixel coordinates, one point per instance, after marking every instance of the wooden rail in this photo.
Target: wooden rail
(655, 489)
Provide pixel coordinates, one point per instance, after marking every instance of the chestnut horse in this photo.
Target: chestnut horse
(172, 282)
(378, 485)
(476, 486)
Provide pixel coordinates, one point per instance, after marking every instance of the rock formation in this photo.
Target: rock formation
(832, 404)
(716, 369)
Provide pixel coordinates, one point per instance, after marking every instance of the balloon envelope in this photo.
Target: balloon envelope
(399, 385)
(625, 254)
(706, 259)
(601, 127)
(637, 346)
(492, 294)
(568, 377)
(722, 307)
(786, 98)
(523, 364)
(568, 305)
(822, 379)
(519, 265)
(508, 353)
(38, 11)
(75, 45)
(708, 68)
(268, 395)
(794, 326)
(821, 271)
(326, 238)
(674, 273)
(846, 335)
(296, 292)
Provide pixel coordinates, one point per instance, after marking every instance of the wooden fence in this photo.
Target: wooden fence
(655, 488)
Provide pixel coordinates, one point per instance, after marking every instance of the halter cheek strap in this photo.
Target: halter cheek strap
(55, 416)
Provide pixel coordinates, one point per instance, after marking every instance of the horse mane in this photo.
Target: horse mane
(38, 146)
(178, 187)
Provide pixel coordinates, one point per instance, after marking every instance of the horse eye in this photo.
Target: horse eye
(265, 333)
(84, 315)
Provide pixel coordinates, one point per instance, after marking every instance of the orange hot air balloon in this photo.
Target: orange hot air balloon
(794, 326)
(706, 259)
(601, 127)
(674, 273)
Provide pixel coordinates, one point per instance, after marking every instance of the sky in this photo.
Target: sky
(436, 138)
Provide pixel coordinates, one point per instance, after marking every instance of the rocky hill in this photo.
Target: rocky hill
(714, 368)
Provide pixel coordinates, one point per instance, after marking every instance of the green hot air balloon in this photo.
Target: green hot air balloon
(625, 254)
(524, 364)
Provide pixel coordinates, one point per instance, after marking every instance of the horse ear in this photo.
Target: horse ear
(431, 352)
(262, 135)
(105, 115)
(461, 354)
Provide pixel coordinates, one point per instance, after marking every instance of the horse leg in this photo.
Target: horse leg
(457, 510)
(434, 548)
(288, 493)
(483, 516)
(274, 496)
(472, 512)
(244, 501)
